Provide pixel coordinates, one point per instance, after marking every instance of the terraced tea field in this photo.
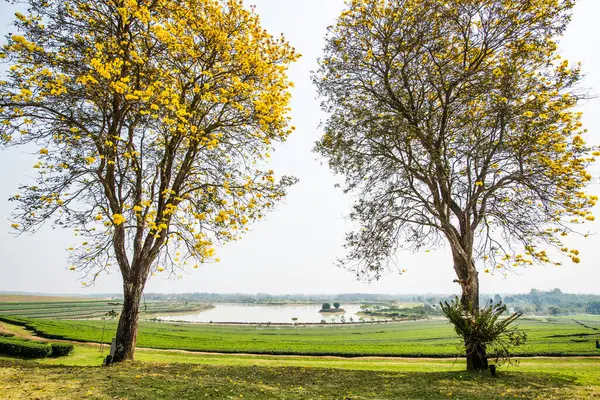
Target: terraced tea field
(559, 336)
(160, 373)
(82, 309)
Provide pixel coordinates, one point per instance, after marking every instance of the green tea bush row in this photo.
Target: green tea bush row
(22, 348)
(13, 320)
(61, 349)
(433, 338)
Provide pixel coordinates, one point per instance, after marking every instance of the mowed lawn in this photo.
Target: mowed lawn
(160, 374)
(557, 336)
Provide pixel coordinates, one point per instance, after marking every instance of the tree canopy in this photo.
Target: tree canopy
(455, 121)
(149, 117)
(152, 120)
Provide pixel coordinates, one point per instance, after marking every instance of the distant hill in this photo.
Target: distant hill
(28, 298)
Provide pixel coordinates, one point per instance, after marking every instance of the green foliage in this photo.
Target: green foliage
(14, 320)
(336, 305)
(23, 348)
(326, 306)
(483, 328)
(417, 312)
(61, 349)
(542, 301)
(264, 298)
(593, 307)
(553, 310)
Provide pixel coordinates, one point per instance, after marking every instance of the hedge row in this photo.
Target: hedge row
(61, 349)
(14, 320)
(22, 348)
(30, 349)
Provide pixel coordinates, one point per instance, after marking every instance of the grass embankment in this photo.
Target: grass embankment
(561, 336)
(77, 308)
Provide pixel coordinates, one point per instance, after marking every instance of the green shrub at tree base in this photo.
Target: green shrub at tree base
(23, 348)
(482, 330)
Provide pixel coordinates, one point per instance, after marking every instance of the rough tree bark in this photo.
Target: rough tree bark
(133, 287)
(468, 278)
(476, 355)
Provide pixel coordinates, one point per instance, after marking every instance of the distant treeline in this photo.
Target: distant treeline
(393, 312)
(295, 298)
(551, 302)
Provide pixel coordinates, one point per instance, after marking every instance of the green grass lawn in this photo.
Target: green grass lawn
(558, 336)
(170, 374)
(199, 376)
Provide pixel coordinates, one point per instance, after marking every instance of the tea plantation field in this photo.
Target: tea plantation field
(557, 336)
(75, 309)
(168, 374)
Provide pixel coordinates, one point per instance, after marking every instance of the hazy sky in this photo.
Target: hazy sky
(294, 249)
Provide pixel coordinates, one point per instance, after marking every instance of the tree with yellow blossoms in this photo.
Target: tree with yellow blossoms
(453, 121)
(152, 119)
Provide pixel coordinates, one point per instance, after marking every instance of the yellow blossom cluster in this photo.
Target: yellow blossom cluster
(483, 125)
(158, 127)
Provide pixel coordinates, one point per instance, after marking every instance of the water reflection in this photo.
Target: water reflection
(266, 313)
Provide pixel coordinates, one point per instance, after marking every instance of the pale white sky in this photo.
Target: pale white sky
(294, 249)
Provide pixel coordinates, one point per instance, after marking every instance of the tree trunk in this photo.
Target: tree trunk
(469, 282)
(470, 290)
(475, 352)
(477, 359)
(128, 322)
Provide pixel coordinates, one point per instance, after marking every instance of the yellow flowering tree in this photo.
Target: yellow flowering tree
(152, 119)
(453, 121)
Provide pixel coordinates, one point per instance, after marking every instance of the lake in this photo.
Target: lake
(263, 313)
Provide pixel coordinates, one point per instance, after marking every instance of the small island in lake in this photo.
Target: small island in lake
(326, 308)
